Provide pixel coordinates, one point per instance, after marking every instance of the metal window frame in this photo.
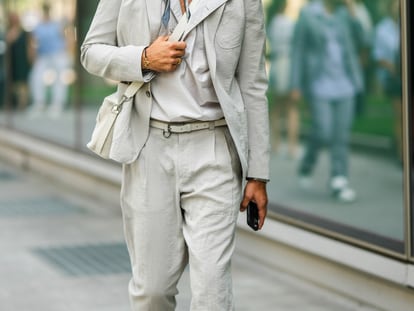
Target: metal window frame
(407, 19)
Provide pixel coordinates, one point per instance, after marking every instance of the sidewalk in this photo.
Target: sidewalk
(62, 251)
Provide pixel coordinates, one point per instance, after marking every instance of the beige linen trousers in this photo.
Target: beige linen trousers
(180, 203)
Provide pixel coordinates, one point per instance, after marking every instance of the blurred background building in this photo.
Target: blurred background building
(368, 237)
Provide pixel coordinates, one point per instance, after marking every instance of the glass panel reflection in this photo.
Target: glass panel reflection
(335, 66)
(40, 46)
(3, 63)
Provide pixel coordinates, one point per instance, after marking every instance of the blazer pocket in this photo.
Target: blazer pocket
(229, 40)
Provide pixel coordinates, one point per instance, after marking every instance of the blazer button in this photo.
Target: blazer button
(148, 93)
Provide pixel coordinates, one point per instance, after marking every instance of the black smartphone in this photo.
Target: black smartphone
(253, 216)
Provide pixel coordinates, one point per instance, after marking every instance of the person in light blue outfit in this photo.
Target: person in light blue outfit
(387, 55)
(49, 52)
(326, 71)
(386, 48)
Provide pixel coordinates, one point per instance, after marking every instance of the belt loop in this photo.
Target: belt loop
(167, 133)
(211, 125)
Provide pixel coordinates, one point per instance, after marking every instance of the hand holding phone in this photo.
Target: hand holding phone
(253, 216)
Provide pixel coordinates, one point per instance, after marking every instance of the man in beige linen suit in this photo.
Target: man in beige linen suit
(197, 129)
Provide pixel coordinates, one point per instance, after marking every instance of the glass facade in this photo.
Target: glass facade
(337, 151)
(335, 99)
(54, 99)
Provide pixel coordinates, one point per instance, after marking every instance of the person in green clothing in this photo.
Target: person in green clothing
(19, 64)
(2, 67)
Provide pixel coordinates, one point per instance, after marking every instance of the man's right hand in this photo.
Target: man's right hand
(163, 55)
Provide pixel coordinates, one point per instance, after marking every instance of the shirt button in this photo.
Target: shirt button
(148, 93)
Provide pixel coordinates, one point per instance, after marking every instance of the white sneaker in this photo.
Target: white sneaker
(341, 190)
(346, 195)
(338, 182)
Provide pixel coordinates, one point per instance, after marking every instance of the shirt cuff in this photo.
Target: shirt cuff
(257, 179)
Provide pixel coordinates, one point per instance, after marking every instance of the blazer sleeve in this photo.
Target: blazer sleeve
(100, 53)
(252, 78)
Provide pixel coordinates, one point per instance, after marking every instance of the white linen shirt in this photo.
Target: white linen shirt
(186, 94)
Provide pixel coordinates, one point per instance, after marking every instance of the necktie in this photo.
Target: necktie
(166, 15)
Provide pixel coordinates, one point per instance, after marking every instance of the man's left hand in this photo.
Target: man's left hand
(256, 191)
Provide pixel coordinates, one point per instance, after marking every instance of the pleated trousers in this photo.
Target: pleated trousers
(180, 201)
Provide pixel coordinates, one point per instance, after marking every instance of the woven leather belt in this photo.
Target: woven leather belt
(186, 127)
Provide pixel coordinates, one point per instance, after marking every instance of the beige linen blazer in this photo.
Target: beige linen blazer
(235, 42)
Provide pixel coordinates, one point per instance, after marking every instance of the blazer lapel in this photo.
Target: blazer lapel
(176, 9)
(204, 9)
(210, 30)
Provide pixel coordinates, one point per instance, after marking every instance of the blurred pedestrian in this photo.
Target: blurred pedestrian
(51, 62)
(19, 65)
(283, 108)
(326, 71)
(363, 37)
(197, 128)
(2, 67)
(387, 55)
